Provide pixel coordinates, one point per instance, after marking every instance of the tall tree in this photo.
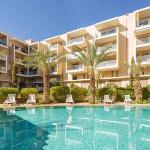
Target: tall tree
(13, 73)
(135, 70)
(44, 59)
(91, 57)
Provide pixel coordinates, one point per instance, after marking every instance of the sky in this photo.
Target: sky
(41, 19)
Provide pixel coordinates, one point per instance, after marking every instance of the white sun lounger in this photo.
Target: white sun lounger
(69, 99)
(127, 99)
(31, 99)
(107, 99)
(11, 99)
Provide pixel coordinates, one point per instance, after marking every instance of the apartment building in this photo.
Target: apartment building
(129, 36)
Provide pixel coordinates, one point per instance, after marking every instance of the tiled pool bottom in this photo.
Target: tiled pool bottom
(75, 128)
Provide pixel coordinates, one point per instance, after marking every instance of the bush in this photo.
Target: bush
(79, 94)
(24, 93)
(146, 93)
(5, 91)
(59, 93)
(121, 92)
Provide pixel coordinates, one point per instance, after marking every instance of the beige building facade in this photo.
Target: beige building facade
(129, 36)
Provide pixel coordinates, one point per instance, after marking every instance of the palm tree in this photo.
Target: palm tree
(91, 57)
(134, 76)
(43, 59)
(13, 74)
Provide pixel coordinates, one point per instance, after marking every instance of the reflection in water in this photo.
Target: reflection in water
(76, 128)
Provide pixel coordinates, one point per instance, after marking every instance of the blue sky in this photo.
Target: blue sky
(40, 19)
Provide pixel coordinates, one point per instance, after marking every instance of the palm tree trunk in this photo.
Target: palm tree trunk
(46, 91)
(92, 85)
(137, 90)
(131, 78)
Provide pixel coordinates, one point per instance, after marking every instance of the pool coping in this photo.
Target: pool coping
(64, 104)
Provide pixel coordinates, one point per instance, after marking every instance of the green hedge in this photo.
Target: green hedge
(24, 93)
(59, 93)
(5, 91)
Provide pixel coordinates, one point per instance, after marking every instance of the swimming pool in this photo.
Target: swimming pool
(75, 128)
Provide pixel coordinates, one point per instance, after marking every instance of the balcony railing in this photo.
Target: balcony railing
(142, 23)
(109, 48)
(22, 73)
(145, 59)
(19, 60)
(30, 73)
(107, 32)
(22, 50)
(76, 40)
(2, 68)
(107, 64)
(142, 41)
(75, 67)
(3, 57)
(53, 47)
(3, 42)
(73, 55)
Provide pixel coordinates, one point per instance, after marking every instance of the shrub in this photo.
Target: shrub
(5, 91)
(79, 94)
(24, 93)
(121, 92)
(59, 93)
(101, 92)
(146, 93)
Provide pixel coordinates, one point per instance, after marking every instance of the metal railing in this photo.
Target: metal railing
(107, 32)
(72, 55)
(22, 50)
(143, 22)
(107, 64)
(109, 48)
(75, 40)
(76, 67)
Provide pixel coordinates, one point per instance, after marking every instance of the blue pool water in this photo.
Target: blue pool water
(75, 128)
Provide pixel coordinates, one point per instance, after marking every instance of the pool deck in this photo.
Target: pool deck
(64, 104)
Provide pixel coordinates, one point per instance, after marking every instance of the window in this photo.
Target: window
(74, 77)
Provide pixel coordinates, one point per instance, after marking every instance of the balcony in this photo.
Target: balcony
(3, 69)
(75, 68)
(21, 50)
(72, 56)
(145, 59)
(3, 57)
(53, 70)
(107, 35)
(79, 41)
(143, 26)
(3, 40)
(20, 61)
(111, 49)
(53, 47)
(33, 73)
(22, 73)
(143, 43)
(107, 64)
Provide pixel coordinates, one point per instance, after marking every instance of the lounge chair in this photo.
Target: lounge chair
(11, 99)
(31, 99)
(127, 99)
(107, 99)
(69, 99)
